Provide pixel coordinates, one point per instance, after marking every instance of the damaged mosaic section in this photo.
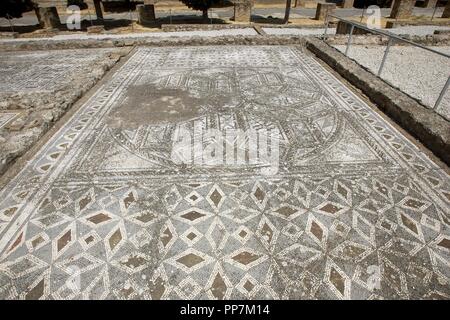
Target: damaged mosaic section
(355, 211)
(43, 85)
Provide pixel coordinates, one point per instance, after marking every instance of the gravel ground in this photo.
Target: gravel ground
(417, 30)
(412, 30)
(417, 72)
(203, 33)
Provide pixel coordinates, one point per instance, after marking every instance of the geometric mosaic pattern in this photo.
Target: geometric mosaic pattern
(356, 211)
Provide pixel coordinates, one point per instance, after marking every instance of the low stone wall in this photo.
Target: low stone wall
(155, 41)
(200, 27)
(424, 124)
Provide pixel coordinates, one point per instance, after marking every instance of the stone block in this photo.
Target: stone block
(446, 13)
(402, 9)
(48, 17)
(323, 9)
(344, 28)
(391, 24)
(146, 14)
(430, 3)
(242, 10)
(347, 3)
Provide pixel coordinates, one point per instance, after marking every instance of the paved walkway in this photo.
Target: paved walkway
(351, 209)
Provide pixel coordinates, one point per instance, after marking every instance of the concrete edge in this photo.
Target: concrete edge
(422, 123)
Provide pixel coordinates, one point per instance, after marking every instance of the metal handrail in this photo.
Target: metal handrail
(391, 37)
(389, 34)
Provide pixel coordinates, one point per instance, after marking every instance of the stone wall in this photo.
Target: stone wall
(324, 9)
(402, 9)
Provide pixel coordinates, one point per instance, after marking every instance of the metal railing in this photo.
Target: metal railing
(392, 38)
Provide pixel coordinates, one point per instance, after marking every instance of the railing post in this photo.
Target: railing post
(442, 94)
(384, 56)
(349, 39)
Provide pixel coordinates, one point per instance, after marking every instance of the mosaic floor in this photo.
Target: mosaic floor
(355, 211)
